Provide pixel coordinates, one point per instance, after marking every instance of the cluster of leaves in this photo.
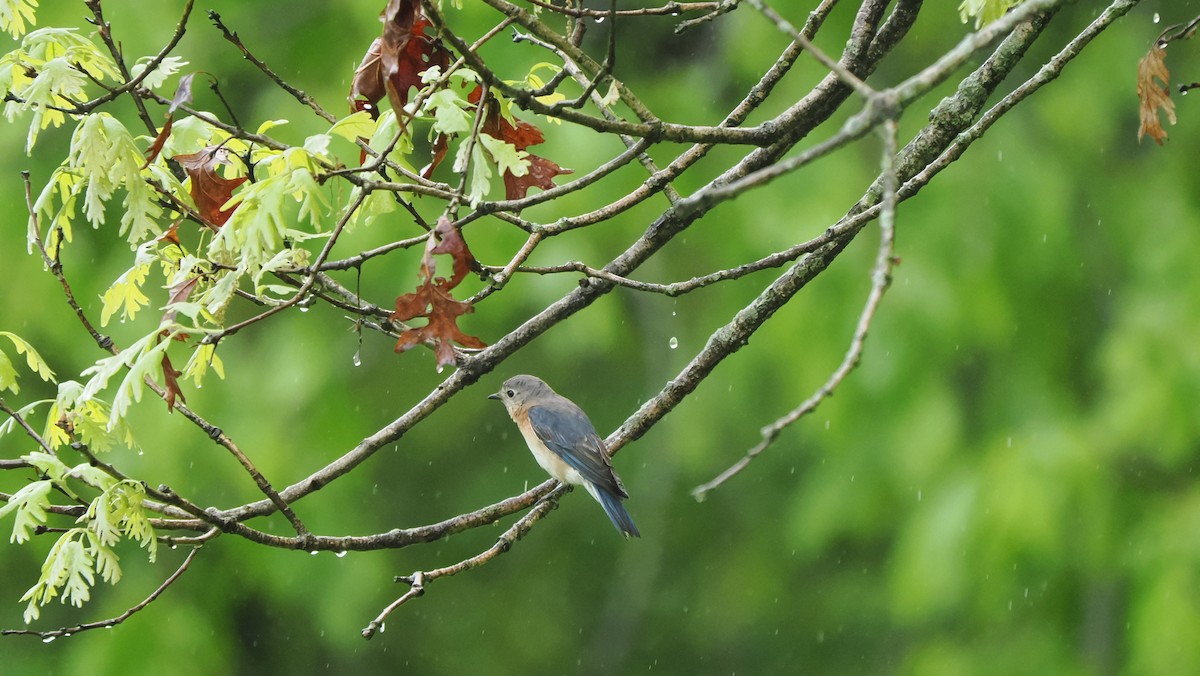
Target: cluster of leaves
(407, 57)
(212, 213)
(82, 553)
(86, 551)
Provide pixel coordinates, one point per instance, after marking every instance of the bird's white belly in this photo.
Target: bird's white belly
(550, 461)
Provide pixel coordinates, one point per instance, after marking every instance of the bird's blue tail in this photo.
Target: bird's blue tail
(616, 513)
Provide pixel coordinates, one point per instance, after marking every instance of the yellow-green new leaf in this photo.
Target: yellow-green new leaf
(30, 504)
(125, 295)
(984, 11)
(359, 124)
(8, 375)
(14, 14)
(204, 358)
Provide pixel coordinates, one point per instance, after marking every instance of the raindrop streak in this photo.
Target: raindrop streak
(674, 342)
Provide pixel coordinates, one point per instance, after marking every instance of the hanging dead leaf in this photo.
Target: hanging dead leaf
(394, 62)
(210, 191)
(156, 147)
(1154, 96)
(171, 383)
(179, 293)
(366, 90)
(433, 299)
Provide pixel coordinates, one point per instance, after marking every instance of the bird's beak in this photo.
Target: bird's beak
(495, 395)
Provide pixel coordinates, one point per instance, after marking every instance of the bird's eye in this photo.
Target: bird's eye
(510, 394)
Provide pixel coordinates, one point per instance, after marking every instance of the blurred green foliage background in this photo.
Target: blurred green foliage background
(1006, 485)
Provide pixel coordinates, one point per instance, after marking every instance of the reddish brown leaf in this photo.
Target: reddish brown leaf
(366, 90)
(407, 52)
(156, 147)
(541, 175)
(393, 63)
(183, 94)
(437, 153)
(449, 241)
(171, 383)
(434, 302)
(1154, 96)
(522, 135)
(433, 299)
(171, 235)
(178, 293)
(210, 191)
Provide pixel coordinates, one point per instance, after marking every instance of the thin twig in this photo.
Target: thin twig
(215, 336)
(132, 84)
(55, 266)
(32, 433)
(50, 635)
(418, 580)
(881, 279)
(669, 9)
(784, 25)
(299, 95)
(724, 7)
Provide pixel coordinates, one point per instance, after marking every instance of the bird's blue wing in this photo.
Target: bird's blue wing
(570, 435)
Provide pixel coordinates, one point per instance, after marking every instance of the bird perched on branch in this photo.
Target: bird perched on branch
(564, 442)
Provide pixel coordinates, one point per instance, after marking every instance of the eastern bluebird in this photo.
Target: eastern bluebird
(564, 442)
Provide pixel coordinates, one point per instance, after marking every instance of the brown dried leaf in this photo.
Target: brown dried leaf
(179, 293)
(1154, 96)
(171, 383)
(171, 235)
(156, 147)
(367, 88)
(436, 154)
(522, 135)
(393, 63)
(210, 191)
(541, 175)
(447, 239)
(433, 299)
